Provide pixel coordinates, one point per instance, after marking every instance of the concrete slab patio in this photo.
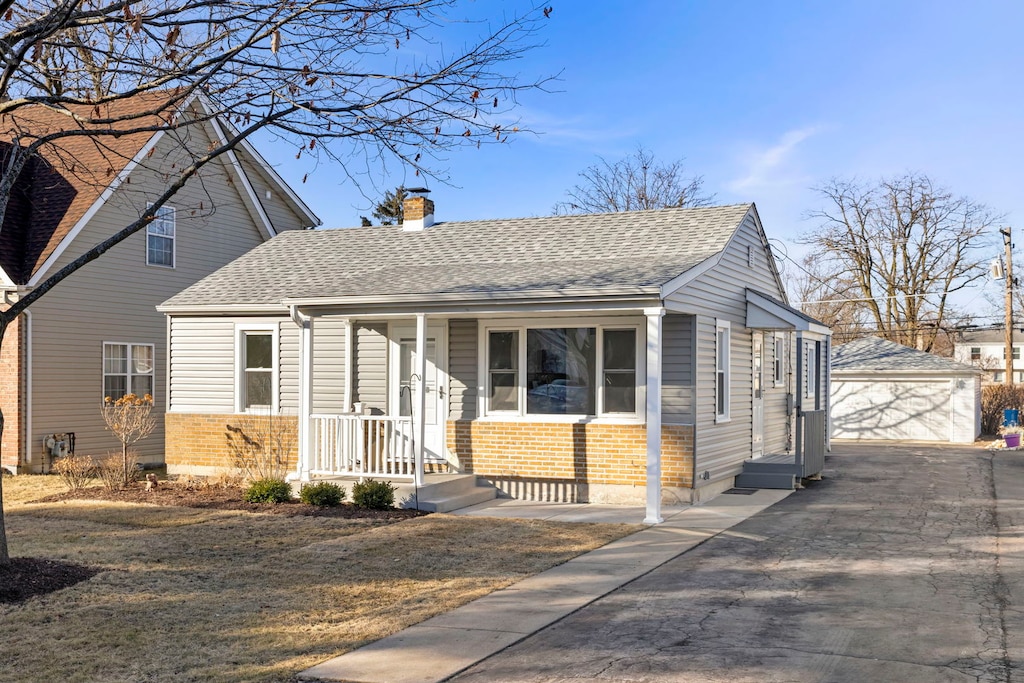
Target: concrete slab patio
(439, 648)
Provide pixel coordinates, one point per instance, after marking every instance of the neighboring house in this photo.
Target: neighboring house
(884, 390)
(98, 333)
(602, 358)
(986, 349)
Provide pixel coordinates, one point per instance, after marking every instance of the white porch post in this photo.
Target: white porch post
(305, 393)
(653, 415)
(348, 366)
(420, 410)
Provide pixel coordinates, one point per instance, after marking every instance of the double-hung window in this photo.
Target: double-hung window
(976, 353)
(722, 357)
(160, 236)
(579, 371)
(127, 369)
(780, 359)
(256, 369)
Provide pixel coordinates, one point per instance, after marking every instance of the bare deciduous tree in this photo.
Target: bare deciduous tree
(635, 183)
(361, 83)
(907, 244)
(831, 298)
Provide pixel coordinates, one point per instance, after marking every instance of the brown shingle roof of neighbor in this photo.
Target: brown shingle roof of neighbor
(641, 250)
(57, 188)
(877, 355)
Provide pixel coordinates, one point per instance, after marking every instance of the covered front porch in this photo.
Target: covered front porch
(395, 395)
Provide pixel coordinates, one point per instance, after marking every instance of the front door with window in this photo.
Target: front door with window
(757, 422)
(402, 381)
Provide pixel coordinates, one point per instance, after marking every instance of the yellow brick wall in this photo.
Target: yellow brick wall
(201, 440)
(570, 454)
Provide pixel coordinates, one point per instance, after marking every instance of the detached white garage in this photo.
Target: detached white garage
(887, 391)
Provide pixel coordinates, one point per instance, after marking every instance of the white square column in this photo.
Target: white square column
(306, 455)
(653, 415)
(420, 395)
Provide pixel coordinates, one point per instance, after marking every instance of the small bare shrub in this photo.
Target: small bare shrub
(131, 419)
(226, 479)
(994, 399)
(260, 444)
(190, 482)
(75, 471)
(111, 470)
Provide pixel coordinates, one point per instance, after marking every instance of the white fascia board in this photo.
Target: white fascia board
(680, 281)
(40, 274)
(313, 219)
(764, 313)
(5, 281)
(267, 228)
(222, 309)
(525, 296)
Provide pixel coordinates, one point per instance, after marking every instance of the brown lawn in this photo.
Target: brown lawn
(186, 594)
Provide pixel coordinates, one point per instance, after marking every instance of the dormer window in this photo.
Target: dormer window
(160, 238)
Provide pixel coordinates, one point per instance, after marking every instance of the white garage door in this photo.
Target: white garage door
(891, 410)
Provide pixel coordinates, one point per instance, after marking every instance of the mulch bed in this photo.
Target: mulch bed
(27, 577)
(217, 498)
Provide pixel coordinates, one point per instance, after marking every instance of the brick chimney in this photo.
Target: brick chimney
(417, 210)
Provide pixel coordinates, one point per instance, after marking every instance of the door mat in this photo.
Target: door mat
(741, 492)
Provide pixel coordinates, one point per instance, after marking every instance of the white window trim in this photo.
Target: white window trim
(723, 326)
(241, 329)
(130, 374)
(779, 360)
(521, 326)
(173, 238)
(810, 371)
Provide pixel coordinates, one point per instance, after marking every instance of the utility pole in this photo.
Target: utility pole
(1008, 322)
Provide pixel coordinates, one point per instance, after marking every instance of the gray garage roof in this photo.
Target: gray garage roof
(876, 355)
(637, 251)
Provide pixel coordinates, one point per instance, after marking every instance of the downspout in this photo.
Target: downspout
(305, 324)
(28, 385)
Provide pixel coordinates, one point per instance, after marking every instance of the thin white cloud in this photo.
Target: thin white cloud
(770, 167)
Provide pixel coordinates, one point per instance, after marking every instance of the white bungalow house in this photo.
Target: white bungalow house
(630, 357)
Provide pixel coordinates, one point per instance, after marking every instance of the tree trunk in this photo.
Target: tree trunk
(5, 557)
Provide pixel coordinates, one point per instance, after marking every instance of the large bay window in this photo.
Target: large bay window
(577, 371)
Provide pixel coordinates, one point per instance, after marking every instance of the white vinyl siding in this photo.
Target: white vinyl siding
(371, 365)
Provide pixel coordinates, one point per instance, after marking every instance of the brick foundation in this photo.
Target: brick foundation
(587, 462)
(12, 395)
(198, 443)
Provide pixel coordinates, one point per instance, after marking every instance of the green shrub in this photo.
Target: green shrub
(268, 491)
(323, 493)
(376, 495)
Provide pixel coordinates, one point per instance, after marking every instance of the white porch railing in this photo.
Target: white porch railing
(362, 446)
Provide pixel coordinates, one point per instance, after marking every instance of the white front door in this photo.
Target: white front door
(402, 368)
(757, 421)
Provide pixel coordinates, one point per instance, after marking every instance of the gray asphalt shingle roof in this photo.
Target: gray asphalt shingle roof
(873, 354)
(642, 249)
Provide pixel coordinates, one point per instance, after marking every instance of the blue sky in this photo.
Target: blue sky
(764, 99)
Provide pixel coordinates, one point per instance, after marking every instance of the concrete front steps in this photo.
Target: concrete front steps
(439, 493)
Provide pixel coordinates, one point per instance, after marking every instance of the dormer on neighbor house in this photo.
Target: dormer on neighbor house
(417, 210)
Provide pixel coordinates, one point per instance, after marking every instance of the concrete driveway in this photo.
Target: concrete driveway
(905, 564)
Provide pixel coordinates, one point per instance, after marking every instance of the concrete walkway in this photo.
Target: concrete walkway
(438, 648)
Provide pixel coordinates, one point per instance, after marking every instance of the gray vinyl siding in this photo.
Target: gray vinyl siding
(462, 369)
(371, 363)
(202, 376)
(677, 390)
(113, 299)
(283, 216)
(776, 423)
(288, 366)
(329, 365)
(720, 293)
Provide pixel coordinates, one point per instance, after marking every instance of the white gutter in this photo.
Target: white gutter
(28, 386)
(608, 294)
